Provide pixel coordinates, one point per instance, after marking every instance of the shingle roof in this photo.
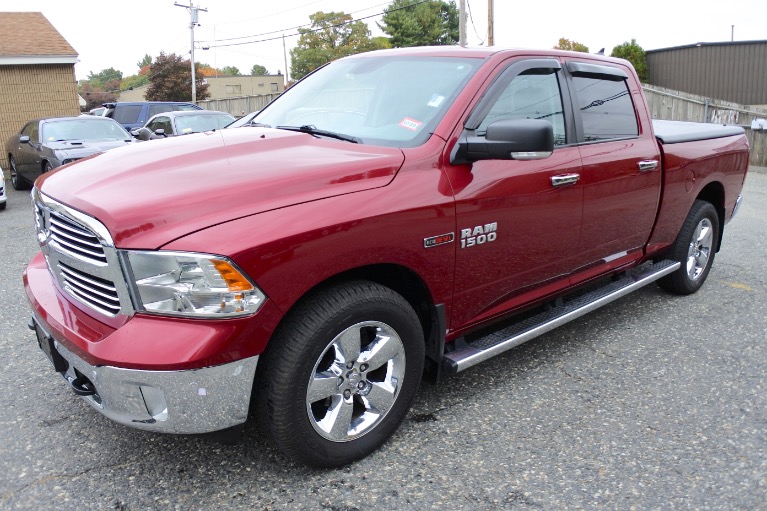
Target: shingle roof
(30, 34)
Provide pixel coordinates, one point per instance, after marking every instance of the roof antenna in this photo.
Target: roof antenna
(600, 52)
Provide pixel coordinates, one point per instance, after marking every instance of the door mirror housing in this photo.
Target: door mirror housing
(510, 139)
(23, 139)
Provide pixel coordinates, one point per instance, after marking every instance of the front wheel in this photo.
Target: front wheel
(341, 374)
(695, 248)
(18, 182)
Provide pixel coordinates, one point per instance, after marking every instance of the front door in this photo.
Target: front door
(518, 222)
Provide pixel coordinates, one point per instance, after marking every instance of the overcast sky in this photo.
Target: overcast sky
(108, 33)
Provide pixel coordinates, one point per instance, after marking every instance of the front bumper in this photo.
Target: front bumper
(186, 401)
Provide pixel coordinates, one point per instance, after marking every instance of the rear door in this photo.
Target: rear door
(518, 221)
(621, 175)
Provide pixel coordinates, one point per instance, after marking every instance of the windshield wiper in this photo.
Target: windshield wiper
(311, 130)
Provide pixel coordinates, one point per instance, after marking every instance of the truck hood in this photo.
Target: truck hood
(152, 193)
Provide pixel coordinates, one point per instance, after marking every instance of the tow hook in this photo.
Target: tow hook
(81, 386)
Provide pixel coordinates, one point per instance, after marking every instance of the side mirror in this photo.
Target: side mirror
(159, 132)
(23, 139)
(142, 134)
(511, 139)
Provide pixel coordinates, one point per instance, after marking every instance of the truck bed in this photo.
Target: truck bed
(674, 132)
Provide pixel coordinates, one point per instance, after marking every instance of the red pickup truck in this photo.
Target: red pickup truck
(394, 214)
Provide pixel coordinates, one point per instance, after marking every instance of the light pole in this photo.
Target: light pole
(193, 21)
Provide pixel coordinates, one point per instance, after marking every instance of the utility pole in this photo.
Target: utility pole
(285, 56)
(490, 22)
(192, 22)
(462, 23)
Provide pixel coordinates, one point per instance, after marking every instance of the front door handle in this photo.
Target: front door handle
(565, 179)
(647, 165)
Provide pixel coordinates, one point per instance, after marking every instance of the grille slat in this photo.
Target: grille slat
(96, 292)
(68, 244)
(76, 240)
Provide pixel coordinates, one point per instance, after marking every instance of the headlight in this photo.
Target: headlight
(193, 285)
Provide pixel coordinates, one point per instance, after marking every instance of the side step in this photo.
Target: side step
(497, 342)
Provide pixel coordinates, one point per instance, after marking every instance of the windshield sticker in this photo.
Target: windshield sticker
(435, 100)
(410, 124)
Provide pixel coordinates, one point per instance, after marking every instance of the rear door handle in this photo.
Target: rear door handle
(565, 179)
(647, 165)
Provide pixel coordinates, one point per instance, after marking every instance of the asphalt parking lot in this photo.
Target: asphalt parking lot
(653, 402)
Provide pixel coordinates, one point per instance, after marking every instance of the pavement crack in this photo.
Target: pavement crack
(8, 495)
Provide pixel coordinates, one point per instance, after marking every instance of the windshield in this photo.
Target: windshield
(197, 123)
(392, 101)
(83, 128)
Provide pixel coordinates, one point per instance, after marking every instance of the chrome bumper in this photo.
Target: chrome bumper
(185, 402)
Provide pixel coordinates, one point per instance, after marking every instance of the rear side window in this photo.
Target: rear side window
(126, 114)
(187, 107)
(607, 111)
(158, 109)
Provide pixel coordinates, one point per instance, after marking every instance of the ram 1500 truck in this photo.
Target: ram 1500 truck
(393, 214)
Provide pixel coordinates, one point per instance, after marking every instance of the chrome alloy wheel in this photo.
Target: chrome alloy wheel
(356, 381)
(700, 249)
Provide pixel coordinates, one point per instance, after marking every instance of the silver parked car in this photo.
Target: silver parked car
(171, 124)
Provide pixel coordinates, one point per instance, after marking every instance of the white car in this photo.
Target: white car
(3, 197)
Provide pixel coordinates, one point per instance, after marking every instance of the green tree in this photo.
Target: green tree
(229, 71)
(134, 81)
(170, 79)
(332, 35)
(634, 54)
(258, 70)
(100, 79)
(567, 44)
(146, 61)
(430, 23)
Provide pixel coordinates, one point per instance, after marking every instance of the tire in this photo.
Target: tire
(340, 374)
(695, 247)
(2, 206)
(47, 167)
(18, 182)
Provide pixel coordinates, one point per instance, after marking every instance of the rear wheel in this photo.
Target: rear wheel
(695, 247)
(18, 182)
(341, 374)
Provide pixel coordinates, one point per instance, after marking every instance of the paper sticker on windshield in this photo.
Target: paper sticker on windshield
(410, 124)
(435, 100)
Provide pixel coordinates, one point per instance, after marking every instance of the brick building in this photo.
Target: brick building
(37, 73)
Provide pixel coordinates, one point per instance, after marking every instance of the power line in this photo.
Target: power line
(471, 18)
(301, 26)
(319, 29)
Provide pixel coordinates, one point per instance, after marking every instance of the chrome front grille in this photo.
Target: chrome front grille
(82, 259)
(100, 294)
(76, 240)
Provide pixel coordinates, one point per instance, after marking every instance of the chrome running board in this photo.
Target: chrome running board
(495, 343)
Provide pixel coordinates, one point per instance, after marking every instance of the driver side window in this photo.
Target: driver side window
(530, 95)
(32, 131)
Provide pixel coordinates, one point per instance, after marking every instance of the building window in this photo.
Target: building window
(234, 89)
(274, 87)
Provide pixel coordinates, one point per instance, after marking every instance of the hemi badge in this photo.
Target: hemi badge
(438, 240)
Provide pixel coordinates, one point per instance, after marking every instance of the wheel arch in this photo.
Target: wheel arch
(406, 283)
(713, 193)
(402, 280)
